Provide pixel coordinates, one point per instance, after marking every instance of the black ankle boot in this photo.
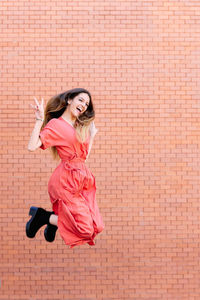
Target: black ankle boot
(39, 218)
(50, 232)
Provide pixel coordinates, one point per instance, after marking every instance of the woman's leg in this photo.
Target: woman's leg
(53, 220)
(50, 230)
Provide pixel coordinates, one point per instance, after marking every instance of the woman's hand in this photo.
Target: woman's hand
(39, 109)
(93, 130)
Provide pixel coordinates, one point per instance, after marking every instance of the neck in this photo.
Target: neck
(69, 117)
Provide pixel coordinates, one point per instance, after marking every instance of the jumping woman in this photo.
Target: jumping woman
(67, 126)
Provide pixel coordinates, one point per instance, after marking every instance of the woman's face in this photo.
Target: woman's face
(79, 104)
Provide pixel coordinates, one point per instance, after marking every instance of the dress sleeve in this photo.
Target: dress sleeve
(50, 135)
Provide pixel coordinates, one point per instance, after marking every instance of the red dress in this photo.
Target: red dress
(72, 186)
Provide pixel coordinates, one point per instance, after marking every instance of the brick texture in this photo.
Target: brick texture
(140, 60)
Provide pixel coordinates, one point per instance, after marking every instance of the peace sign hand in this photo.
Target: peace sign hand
(39, 109)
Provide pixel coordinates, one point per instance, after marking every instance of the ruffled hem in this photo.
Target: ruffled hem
(73, 233)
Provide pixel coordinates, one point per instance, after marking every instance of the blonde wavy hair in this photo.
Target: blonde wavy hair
(57, 105)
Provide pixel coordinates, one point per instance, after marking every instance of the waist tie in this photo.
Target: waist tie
(69, 162)
(73, 158)
(70, 165)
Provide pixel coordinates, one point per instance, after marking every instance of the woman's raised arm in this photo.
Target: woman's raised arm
(35, 141)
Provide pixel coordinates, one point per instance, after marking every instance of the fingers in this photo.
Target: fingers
(92, 124)
(37, 105)
(37, 102)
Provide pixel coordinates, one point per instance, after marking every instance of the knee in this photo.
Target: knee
(86, 233)
(100, 228)
(89, 232)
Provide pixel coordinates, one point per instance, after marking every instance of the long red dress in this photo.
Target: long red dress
(72, 186)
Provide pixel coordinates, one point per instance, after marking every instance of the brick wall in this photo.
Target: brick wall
(140, 60)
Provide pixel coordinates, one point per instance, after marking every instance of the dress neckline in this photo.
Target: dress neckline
(87, 140)
(67, 122)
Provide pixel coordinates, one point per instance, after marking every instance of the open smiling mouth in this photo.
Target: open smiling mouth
(79, 109)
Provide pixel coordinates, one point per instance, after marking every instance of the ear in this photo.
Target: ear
(69, 101)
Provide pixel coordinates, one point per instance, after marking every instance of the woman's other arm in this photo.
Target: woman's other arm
(93, 132)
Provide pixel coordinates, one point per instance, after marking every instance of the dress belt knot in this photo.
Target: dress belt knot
(73, 168)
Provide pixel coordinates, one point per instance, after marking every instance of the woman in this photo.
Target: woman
(67, 126)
